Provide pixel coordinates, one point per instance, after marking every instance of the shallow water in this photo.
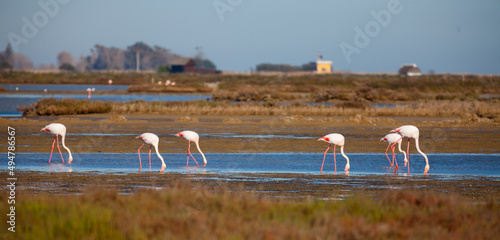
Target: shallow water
(448, 165)
(61, 87)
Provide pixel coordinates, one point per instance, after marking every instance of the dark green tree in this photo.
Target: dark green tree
(7, 59)
(67, 67)
(205, 64)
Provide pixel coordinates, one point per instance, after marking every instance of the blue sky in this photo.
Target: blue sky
(455, 36)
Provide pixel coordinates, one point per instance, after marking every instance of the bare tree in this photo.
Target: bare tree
(21, 61)
(64, 57)
(45, 66)
(108, 58)
(82, 64)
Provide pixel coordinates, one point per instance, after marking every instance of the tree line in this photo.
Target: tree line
(311, 66)
(106, 58)
(10, 60)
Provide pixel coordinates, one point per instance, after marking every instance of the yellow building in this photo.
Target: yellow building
(323, 66)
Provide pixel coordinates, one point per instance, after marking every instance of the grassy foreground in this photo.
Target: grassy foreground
(184, 212)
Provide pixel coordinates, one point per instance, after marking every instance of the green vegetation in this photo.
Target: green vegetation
(67, 67)
(183, 212)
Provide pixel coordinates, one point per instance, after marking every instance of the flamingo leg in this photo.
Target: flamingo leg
(189, 152)
(388, 155)
(393, 156)
(334, 158)
(51, 151)
(139, 153)
(394, 159)
(149, 158)
(408, 156)
(58, 148)
(324, 156)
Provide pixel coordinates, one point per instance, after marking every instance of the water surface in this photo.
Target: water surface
(450, 165)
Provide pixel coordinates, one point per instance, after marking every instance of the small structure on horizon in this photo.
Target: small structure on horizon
(410, 70)
(323, 66)
(188, 65)
(182, 64)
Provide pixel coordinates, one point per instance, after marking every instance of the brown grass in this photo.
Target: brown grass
(184, 212)
(155, 88)
(69, 106)
(473, 111)
(468, 110)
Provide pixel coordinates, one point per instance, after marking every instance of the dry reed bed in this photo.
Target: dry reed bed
(475, 111)
(470, 110)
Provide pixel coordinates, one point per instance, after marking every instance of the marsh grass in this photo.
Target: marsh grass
(170, 89)
(187, 212)
(67, 106)
(470, 111)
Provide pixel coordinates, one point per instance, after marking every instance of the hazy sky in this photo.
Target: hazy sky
(357, 35)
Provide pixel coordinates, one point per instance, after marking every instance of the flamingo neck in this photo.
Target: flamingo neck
(158, 154)
(401, 150)
(347, 166)
(199, 150)
(422, 153)
(343, 154)
(63, 137)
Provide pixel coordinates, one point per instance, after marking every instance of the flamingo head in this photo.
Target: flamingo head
(44, 129)
(383, 139)
(396, 130)
(324, 139)
(139, 137)
(179, 135)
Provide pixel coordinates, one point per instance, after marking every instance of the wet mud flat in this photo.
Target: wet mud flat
(251, 134)
(275, 185)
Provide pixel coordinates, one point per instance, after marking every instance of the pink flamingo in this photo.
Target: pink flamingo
(411, 131)
(392, 139)
(58, 129)
(192, 137)
(152, 140)
(335, 139)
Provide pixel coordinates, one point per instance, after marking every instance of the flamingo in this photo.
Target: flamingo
(335, 139)
(192, 137)
(152, 140)
(411, 131)
(58, 129)
(392, 139)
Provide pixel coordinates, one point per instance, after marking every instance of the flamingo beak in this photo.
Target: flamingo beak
(382, 139)
(178, 135)
(324, 139)
(42, 129)
(395, 130)
(139, 137)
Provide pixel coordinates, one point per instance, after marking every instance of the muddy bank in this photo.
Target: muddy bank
(328, 186)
